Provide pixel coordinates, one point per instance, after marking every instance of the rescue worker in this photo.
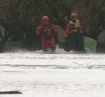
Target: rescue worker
(73, 36)
(48, 33)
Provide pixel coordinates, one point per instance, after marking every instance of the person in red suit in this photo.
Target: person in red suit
(48, 31)
(73, 35)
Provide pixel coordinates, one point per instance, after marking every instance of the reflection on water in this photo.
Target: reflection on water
(47, 75)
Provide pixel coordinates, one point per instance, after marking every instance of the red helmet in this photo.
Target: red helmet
(45, 18)
(74, 15)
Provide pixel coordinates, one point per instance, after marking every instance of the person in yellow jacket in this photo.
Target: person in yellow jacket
(73, 36)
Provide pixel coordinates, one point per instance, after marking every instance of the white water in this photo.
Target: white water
(36, 74)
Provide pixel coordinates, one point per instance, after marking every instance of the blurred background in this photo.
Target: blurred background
(20, 18)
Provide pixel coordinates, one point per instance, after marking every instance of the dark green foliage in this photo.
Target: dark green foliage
(24, 16)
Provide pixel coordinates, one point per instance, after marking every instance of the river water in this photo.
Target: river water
(62, 74)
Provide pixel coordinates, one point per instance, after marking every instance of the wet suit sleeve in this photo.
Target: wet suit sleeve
(67, 44)
(55, 29)
(68, 28)
(38, 30)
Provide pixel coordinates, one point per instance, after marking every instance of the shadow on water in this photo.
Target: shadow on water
(10, 92)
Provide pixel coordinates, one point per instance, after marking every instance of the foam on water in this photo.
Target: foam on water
(57, 51)
(62, 74)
